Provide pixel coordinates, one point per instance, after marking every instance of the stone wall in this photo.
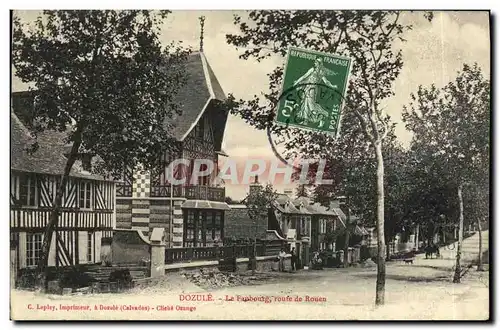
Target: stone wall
(106, 249)
(264, 264)
(129, 248)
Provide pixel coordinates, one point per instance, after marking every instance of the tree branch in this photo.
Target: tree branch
(364, 126)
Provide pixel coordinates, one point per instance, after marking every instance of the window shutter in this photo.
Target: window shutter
(52, 251)
(82, 247)
(97, 243)
(22, 250)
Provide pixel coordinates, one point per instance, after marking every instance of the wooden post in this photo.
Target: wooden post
(347, 234)
(77, 241)
(416, 237)
(458, 275)
(480, 257)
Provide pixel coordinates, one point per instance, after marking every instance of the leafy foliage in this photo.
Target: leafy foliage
(105, 78)
(451, 125)
(259, 201)
(302, 191)
(451, 136)
(368, 38)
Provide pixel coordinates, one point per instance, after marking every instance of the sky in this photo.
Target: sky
(433, 53)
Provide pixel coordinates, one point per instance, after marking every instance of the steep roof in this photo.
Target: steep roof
(319, 210)
(201, 90)
(282, 198)
(304, 200)
(201, 93)
(341, 215)
(47, 159)
(300, 205)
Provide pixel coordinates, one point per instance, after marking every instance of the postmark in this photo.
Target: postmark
(295, 94)
(314, 86)
(312, 97)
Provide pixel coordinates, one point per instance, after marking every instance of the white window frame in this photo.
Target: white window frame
(322, 226)
(32, 247)
(31, 181)
(85, 185)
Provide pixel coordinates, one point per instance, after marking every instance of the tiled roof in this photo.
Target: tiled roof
(282, 199)
(304, 200)
(49, 157)
(201, 92)
(202, 87)
(300, 205)
(319, 209)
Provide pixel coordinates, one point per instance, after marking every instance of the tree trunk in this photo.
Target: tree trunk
(480, 257)
(254, 257)
(346, 248)
(347, 235)
(54, 217)
(456, 278)
(416, 237)
(380, 287)
(388, 253)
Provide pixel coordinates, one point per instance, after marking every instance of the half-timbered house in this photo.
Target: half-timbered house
(192, 214)
(87, 214)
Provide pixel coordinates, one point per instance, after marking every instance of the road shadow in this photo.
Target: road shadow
(440, 268)
(409, 278)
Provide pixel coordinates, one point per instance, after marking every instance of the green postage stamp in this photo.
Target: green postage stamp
(313, 90)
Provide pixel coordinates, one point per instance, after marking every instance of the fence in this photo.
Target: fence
(173, 255)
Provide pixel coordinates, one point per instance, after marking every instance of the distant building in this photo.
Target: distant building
(303, 224)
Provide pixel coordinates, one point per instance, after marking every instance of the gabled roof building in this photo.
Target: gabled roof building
(191, 214)
(87, 215)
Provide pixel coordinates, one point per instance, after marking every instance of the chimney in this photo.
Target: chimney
(255, 187)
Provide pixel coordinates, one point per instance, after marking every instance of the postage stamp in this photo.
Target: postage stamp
(314, 88)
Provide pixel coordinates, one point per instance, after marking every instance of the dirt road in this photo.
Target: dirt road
(422, 291)
(329, 294)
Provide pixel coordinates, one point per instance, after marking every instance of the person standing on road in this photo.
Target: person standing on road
(294, 259)
(281, 257)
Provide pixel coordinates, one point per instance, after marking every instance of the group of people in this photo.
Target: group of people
(317, 262)
(432, 249)
(281, 259)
